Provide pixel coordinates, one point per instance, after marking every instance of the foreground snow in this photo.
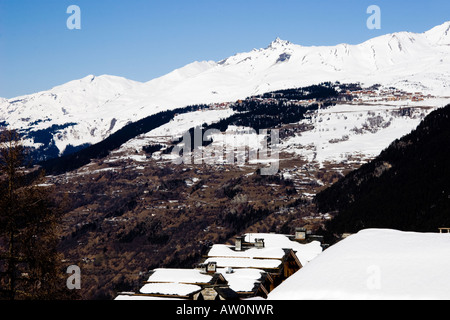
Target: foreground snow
(377, 264)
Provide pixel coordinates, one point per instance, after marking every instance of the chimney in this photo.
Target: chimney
(300, 234)
(212, 267)
(259, 243)
(238, 246)
(202, 267)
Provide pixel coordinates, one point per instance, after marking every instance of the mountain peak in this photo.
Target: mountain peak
(440, 34)
(89, 78)
(278, 43)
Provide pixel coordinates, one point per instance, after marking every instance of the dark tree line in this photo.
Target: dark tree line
(29, 220)
(320, 92)
(45, 137)
(100, 150)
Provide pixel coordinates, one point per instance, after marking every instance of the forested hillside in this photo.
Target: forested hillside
(406, 187)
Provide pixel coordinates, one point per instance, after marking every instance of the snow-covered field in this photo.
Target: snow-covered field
(375, 264)
(344, 131)
(175, 128)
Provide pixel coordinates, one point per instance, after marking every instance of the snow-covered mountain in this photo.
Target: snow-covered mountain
(88, 110)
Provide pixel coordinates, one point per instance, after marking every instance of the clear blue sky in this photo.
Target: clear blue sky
(144, 39)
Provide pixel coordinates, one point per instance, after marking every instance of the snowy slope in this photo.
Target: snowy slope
(377, 264)
(344, 131)
(85, 102)
(98, 106)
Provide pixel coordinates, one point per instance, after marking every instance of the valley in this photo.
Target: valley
(152, 174)
(86, 111)
(132, 211)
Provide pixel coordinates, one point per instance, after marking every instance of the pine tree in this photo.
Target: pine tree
(29, 260)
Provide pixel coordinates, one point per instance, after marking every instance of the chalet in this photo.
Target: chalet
(184, 284)
(277, 256)
(253, 267)
(245, 282)
(216, 293)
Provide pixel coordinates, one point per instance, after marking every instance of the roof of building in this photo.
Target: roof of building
(242, 280)
(170, 289)
(274, 245)
(143, 297)
(375, 264)
(246, 263)
(243, 272)
(188, 276)
(227, 293)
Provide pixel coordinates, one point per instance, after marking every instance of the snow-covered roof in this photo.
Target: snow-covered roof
(245, 263)
(273, 249)
(173, 280)
(189, 276)
(242, 280)
(247, 267)
(222, 250)
(122, 297)
(379, 264)
(170, 289)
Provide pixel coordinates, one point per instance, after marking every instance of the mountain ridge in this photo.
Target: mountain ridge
(441, 31)
(97, 106)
